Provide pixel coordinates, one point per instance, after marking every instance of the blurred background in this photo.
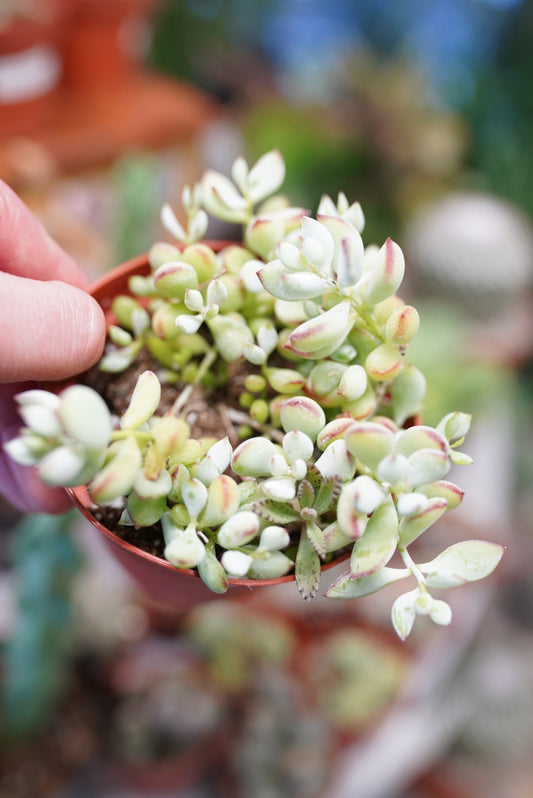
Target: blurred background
(423, 112)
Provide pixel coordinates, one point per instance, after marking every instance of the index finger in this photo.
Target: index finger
(26, 249)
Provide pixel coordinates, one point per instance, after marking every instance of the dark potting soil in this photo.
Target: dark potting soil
(206, 414)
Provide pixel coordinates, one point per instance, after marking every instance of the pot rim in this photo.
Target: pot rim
(80, 498)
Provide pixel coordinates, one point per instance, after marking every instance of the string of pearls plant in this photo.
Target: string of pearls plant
(324, 458)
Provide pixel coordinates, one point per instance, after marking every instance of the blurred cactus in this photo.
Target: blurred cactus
(474, 249)
(37, 657)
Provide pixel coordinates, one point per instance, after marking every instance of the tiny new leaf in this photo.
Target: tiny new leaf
(404, 613)
(306, 493)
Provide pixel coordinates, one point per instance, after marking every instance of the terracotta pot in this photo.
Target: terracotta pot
(163, 584)
(104, 45)
(31, 67)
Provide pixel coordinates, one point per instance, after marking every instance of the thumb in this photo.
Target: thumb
(48, 330)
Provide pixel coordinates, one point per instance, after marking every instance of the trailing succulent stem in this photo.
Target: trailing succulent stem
(297, 337)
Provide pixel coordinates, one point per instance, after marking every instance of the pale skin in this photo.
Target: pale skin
(50, 329)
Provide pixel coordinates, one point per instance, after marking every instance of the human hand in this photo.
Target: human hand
(50, 329)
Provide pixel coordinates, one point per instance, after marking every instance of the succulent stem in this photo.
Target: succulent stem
(185, 395)
(412, 566)
(238, 417)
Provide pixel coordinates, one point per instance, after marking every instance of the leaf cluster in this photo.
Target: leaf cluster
(320, 458)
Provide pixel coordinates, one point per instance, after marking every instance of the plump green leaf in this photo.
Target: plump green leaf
(336, 461)
(412, 526)
(265, 176)
(117, 477)
(185, 550)
(384, 362)
(252, 457)
(27, 449)
(297, 446)
(146, 488)
(384, 274)
(194, 495)
(274, 537)
(373, 550)
(370, 442)
(347, 586)
(322, 335)
(85, 416)
(284, 284)
(440, 612)
(304, 414)
(404, 613)
(62, 466)
(334, 538)
(463, 562)
(418, 438)
(351, 521)
(281, 489)
(144, 401)
(236, 563)
(455, 426)
(232, 335)
(222, 501)
(43, 420)
(333, 431)
(238, 530)
(407, 392)
(212, 573)
(221, 198)
(146, 512)
(427, 465)
(446, 490)
(273, 566)
(460, 458)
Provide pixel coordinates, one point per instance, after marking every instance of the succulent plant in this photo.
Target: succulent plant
(39, 653)
(298, 337)
(354, 676)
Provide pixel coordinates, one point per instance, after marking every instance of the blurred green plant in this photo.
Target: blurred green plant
(134, 179)
(455, 376)
(355, 677)
(238, 643)
(378, 133)
(500, 114)
(37, 657)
